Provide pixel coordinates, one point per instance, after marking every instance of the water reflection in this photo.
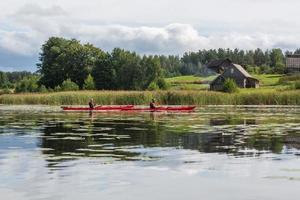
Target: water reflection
(49, 154)
(125, 136)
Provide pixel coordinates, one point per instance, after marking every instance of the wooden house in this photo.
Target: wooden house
(293, 63)
(229, 70)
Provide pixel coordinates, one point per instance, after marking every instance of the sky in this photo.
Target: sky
(145, 26)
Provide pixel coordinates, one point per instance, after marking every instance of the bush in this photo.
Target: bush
(230, 86)
(69, 85)
(43, 89)
(287, 79)
(162, 84)
(279, 68)
(27, 84)
(253, 69)
(57, 89)
(89, 83)
(5, 91)
(297, 85)
(266, 69)
(153, 86)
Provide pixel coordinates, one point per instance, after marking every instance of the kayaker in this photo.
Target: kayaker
(92, 104)
(152, 104)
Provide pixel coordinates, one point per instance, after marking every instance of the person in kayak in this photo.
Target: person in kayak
(152, 104)
(92, 104)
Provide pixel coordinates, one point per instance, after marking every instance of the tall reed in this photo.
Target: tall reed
(251, 97)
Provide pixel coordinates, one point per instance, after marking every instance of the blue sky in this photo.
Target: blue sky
(145, 26)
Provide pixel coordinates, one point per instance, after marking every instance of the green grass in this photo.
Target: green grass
(172, 97)
(191, 86)
(289, 79)
(183, 79)
(189, 82)
(189, 79)
(268, 79)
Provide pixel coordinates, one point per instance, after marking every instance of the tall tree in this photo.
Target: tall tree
(276, 57)
(63, 59)
(259, 57)
(104, 73)
(3, 80)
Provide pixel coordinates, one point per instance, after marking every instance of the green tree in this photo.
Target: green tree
(28, 84)
(277, 60)
(230, 86)
(259, 57)
(162, 84)
(42, 89)
(69, 85)
(14, 77)
(89, 83)
(152, 70)
(63, 59)
(3, 80)
(128, 70)
(153, 86)
(104, 73)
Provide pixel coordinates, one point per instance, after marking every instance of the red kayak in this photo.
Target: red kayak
(162, 108)
(97, 108)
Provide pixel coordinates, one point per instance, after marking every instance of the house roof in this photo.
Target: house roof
(217, 64)
(242, 70)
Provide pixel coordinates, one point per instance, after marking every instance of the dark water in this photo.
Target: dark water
(213, 153)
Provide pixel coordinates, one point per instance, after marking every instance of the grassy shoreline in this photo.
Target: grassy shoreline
(172, 97)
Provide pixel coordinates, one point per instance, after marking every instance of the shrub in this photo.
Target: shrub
(253, 69)
(43, 89)
(27, 84)
(230, 86)
(162, 84)
(57, 89)
(89, 83)
(279, 68)
(153, 86)
(5, 91)
(266, 69)
(297, 85)
(69, 85)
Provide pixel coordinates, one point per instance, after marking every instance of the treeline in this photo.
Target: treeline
(62, 60)
(255, 61)
(11, 80)
(70, 65)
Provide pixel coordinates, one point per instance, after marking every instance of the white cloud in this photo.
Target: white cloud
(164, 27)
(18, 42)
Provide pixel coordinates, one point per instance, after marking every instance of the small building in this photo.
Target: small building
(229, 70)
(293, 63)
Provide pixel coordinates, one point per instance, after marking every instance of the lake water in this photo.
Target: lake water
(213, 153)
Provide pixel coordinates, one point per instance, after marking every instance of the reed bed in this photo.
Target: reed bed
(251, 97)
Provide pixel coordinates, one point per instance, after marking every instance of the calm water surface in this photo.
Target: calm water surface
(213, 153)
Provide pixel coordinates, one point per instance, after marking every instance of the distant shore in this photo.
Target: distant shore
(172, 97)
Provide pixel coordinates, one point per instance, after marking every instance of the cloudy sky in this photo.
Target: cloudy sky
(145, 26)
